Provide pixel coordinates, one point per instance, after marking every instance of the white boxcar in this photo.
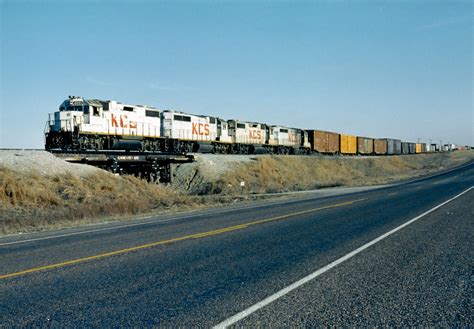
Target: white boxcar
(247, 132)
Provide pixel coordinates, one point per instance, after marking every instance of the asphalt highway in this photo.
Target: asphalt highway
(244, 266)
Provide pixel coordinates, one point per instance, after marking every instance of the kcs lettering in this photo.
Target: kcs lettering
(255, 134)
(201, 129)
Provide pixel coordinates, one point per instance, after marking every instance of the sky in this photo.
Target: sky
(400, 69)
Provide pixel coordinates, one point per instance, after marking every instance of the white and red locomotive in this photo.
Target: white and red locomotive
(103, 125)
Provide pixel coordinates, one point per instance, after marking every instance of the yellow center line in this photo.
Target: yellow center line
(178, 239)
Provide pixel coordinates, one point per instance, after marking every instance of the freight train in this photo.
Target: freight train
(82, 124)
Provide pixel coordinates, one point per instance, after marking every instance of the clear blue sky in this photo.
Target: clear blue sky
(400, 69)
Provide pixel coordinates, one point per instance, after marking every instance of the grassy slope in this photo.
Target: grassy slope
(35, 202)
(291, 173)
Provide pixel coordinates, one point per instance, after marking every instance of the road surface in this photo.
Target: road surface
(400, 255)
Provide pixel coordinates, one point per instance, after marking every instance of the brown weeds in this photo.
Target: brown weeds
(66, 198)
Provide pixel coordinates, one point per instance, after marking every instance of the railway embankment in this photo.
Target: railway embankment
(39, 191)
(223, 174)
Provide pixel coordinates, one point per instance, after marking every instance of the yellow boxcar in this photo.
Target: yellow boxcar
(418, 148)
(348, 144)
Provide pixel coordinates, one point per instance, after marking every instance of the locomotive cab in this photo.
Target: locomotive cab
(70, 115)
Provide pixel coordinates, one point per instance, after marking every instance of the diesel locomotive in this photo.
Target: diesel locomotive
(82, 124)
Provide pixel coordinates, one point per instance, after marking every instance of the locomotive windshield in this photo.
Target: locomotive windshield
(73, 104)
(70, 108)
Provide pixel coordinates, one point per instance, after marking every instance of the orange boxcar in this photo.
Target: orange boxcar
(348, 144)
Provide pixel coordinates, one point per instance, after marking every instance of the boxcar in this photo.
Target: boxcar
(348, 144)
(405, 148)
(424, 149)
(324, 141)
(365, 145)
(418, 148)
(380, 146)
(394, 146)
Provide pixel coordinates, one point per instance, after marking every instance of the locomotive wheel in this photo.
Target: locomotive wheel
(57, 141)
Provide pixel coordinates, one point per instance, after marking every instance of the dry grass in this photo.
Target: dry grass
(35, 201)
(290, 173)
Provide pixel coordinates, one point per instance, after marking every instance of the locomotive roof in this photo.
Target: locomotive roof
(94, 102)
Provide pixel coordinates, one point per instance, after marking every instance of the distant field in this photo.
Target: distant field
(37, 198)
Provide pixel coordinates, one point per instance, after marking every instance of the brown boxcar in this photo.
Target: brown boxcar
(365, 145)
(348, 144)
(324, 141)
(380, 146)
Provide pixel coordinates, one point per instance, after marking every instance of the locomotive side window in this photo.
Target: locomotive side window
(154, 114)
(241, 125)
(95, 111)
(86, 109)
(186, 119)
(178, 117)
(284, 130)
(128, 108)
(212, 120)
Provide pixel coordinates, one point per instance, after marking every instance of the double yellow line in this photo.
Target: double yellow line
(178, 239)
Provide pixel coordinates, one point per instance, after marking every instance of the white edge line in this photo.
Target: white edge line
(243, 314)
(168, 219)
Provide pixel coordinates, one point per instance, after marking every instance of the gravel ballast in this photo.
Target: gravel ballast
(42, 162)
